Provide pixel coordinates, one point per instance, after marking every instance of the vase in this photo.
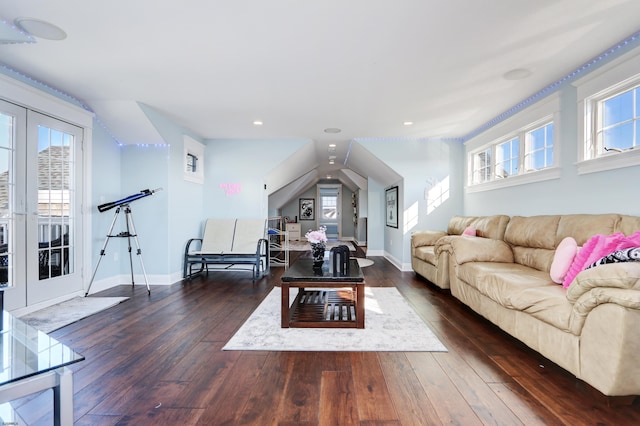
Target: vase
(317, 252)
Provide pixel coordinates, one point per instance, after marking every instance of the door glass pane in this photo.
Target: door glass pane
(329, 207)
(55, 202)
(6, 189)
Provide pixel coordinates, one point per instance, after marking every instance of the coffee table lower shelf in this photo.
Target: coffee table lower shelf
(323, 308)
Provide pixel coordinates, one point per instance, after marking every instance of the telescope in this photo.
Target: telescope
(126, 200)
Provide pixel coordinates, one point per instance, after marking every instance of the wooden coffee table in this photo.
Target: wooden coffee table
(323, 300)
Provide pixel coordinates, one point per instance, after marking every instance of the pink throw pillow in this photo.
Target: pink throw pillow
(596, 247)
(469, 231)
(562, 259)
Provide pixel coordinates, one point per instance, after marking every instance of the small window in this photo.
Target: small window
(609, 116)
(482, 167)
(539, 148)
(617, 121)
(507, 156)
(193, 160)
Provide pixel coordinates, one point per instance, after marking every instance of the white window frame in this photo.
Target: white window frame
(519, 125)
(193, 151)
(613, 78)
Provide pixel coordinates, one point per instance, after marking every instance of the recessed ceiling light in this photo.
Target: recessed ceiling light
(332, 162)
(328, 176)
(258, 123)
(516, 74)
(41, 29)
(332, 130)
(407, 123)
(332, 145)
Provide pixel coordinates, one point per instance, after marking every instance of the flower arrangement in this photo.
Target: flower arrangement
(317, 237)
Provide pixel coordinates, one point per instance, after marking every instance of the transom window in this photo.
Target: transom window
(539, 148)
(532, 146)
(616, 120)
(507, 156)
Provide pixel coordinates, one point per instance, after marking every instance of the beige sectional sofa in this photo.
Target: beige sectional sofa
(591, 328)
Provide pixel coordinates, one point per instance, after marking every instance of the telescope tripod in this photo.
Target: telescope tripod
(128, 234)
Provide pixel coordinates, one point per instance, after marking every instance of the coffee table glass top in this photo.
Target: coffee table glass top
(26, 351)
(302, 270)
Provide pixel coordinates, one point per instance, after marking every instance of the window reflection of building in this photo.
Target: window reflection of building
(54, 206)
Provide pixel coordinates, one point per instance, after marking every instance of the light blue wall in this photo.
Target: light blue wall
(375, 218)
(105, 187)
(183, 201)
(613, 191)
(146, 167)
(348, 228)
(242, 164)
(420, 163)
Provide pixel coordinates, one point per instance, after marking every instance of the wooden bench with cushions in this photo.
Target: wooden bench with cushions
(229, 243)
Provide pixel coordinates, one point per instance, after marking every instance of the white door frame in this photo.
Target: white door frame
(30, 97)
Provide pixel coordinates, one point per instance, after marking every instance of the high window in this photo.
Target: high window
(615, 118)
(531, 146)
(609, 116)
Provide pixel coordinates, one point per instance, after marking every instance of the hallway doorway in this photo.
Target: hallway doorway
(330, 209)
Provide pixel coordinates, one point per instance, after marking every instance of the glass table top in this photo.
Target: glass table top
(26, 351)
(302, 270)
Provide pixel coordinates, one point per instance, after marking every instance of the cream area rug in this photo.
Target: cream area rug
(305, 246)
(64, 313)
(362, 262)
(390, 325)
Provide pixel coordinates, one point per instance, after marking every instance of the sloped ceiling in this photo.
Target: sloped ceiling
(300, 67)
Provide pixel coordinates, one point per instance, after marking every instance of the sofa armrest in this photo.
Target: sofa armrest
(473, 249)
(625, 275)
(598, 296)
(443, 245)
(426, 238)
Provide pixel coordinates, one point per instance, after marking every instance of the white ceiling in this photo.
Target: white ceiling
(363, 66)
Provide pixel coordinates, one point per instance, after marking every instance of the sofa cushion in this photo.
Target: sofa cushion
(457, 224)
(519, 287)
(547, 303)
(595, 248)
(480, 250)
(562, 259)
(491, 226)
(582, 226)
(426, 254)
(501, 281)
(533, 232)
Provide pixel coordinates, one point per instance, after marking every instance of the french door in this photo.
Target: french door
(40, 209)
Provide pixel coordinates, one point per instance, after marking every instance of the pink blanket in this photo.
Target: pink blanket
(597, 247)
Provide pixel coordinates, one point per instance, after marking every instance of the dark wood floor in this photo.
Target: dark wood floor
(157, 360)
